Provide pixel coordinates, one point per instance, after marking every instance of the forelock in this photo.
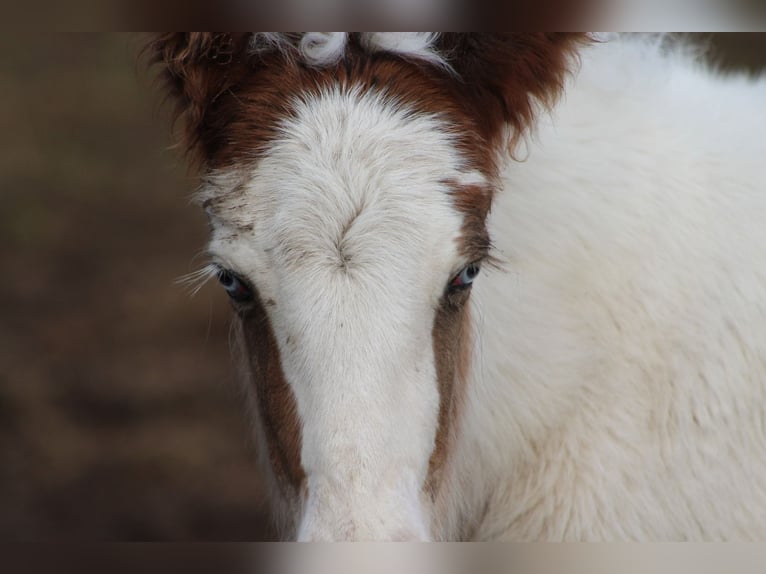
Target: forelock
(323, 49)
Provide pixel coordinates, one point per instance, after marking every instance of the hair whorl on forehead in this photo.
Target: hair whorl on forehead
(498, 80)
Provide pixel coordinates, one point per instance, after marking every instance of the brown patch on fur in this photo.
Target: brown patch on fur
(474, 202)
(452, 343)
(232, 100)
(275, 400)
(452, 333)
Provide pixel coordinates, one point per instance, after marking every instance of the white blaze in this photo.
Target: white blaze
(346, 224)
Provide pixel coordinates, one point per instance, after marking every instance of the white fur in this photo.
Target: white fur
(619, 383)
(416, 45)
(322, 48)
(620, 388)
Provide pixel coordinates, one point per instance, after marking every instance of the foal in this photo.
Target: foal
(602, 377)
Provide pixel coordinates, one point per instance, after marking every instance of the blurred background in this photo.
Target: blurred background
(119, 418)
(118, 414)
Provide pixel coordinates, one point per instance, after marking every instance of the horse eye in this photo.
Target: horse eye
(465, 278)
(234, 286)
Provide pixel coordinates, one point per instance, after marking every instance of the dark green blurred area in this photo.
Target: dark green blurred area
(118, 415)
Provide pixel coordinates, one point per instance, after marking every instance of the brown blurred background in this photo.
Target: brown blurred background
(118, 414)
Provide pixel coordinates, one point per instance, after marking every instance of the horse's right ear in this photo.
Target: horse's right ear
(506, 77)
(198, 68)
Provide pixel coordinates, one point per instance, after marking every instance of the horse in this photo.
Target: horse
(488, 286)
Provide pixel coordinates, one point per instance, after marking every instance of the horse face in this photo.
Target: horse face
(348, 209)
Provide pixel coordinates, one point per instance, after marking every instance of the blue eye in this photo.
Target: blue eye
(465, 278)
(236, 288)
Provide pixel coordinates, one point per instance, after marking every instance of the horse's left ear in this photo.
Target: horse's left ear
(200, 71)
(506, 77)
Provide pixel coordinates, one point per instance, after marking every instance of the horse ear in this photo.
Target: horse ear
(198, 68)
(507, 77)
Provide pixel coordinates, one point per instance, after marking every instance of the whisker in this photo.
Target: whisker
(195, 280)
